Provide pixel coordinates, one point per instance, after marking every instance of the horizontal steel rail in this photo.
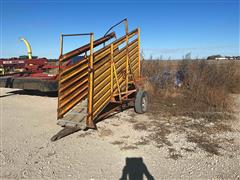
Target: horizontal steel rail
(102, 69)
(99, 76)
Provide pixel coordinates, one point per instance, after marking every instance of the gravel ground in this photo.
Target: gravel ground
(162, 147)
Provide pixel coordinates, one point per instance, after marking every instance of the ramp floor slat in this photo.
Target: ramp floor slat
(76, 117)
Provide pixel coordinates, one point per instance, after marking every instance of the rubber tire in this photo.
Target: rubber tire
(139, 100)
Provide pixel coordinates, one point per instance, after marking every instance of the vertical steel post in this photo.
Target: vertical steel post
(139, 55)
(116, 77)
(127, 55)
(59, 74)
(111, 69)
(90, 123)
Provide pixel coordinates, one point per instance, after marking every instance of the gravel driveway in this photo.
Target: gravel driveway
(127, 144)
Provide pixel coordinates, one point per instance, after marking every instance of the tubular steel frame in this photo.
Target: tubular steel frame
(104, 76)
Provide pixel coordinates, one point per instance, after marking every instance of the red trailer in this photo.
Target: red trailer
(28, 74)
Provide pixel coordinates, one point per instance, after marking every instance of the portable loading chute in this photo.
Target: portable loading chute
(101, 76)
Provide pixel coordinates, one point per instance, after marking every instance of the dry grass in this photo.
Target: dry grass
(205, 90)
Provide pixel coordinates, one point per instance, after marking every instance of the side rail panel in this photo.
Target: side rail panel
(100, 76)
(73, 86)
(110, 69)
(74, 79)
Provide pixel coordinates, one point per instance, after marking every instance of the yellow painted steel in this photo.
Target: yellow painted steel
(101, 55)
(77, 99)
(135, 64)
(139, 55)
(133, 52)
(116, 44)
(102, 84)
(103, 61)
(100, 79)
(74, 66)
(102, 75)
(90, 90)
(101, 70)
(102, 104)
(73, 73)
(74, 81)
(99, 102)
(121, 40)
(102, 91)
(118, 55)
(122, 54)
(120, 62)
(132, 46)
(117, 82)
(79, 84)
(73, 95)
(127, 55)
(29, 49)
(134, 56)
(111, 68)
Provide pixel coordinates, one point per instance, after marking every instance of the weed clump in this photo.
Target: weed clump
(191, 87)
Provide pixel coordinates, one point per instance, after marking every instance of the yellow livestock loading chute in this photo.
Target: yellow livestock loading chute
(29, 49)
(104, 80)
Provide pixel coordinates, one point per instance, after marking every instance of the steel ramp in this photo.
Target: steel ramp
(76, 117)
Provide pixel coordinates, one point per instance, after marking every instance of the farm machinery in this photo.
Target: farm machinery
(106, 79)
(92, 81)
(28, 72)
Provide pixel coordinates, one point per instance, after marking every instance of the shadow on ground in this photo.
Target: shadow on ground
(30, 92)
(135, 169)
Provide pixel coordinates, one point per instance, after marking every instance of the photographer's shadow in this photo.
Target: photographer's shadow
(135, 169)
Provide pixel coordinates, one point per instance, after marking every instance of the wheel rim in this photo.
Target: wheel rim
(144, 103)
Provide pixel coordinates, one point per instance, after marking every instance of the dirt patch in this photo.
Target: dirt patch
(205, 144)
(129, 147)
(173, 154)
(125, 137)
(117, 142)
(143, 141)
(105, 133)
(84, 134)
(159, 136)
(140, 127)
(132, 120)
(187, 149)
(197, 134)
